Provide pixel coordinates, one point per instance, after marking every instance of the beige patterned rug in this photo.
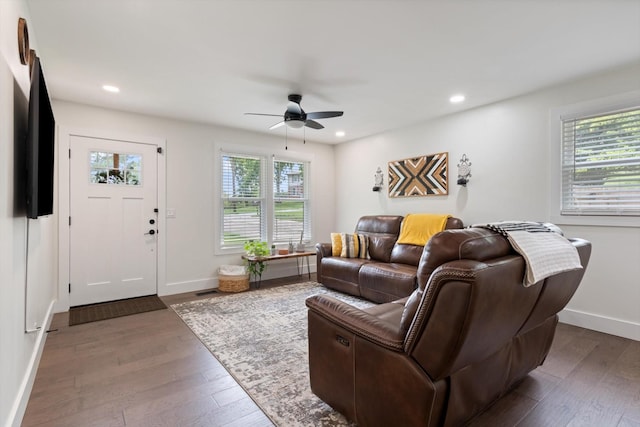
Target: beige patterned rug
(261, 338)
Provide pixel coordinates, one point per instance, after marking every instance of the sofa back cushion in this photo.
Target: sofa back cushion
(410, 254)
(478, 244)
(382, 231)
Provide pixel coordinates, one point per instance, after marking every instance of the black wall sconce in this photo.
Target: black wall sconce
(378, 180)
(464, 171)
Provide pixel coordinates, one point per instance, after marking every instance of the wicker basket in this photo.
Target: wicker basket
(235, 283)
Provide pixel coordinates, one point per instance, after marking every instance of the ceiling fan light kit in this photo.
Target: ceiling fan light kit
(296, 118)
(294, 123)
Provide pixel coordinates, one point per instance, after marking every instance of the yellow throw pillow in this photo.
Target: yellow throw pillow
(336, 244)
(417, 229)
(354, 246)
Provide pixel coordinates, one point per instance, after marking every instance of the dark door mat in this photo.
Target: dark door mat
(111, 309)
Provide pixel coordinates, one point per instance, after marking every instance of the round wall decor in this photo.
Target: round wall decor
(23, 41)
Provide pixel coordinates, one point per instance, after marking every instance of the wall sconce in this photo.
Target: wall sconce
(464, 171)
(378, 180)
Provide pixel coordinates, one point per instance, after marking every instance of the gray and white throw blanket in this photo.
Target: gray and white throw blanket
(545, 252)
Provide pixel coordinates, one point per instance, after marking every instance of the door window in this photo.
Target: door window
(115, 168)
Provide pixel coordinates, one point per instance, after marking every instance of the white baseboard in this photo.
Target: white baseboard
(22, 399)
(608, 325)
(273, 271)
(188, 286)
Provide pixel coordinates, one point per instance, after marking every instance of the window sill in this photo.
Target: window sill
(597, 221)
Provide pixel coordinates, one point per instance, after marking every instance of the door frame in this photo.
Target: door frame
(63, 200)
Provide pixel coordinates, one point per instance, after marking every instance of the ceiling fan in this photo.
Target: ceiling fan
(295, 117)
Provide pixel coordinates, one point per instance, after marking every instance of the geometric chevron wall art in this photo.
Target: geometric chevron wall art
(419, 176)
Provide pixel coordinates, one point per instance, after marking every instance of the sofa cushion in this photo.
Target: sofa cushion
(354, 246)
(382, 231)
(409, 253)
(391, 312)
(345, 269)
(384, 282)
(336, 244)
(406, 254)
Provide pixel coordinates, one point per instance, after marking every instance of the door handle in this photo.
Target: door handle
(152, 232)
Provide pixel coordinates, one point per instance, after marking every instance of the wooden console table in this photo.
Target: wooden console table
(296, 255)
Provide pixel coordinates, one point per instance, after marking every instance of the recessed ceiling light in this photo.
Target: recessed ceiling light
(340, 134)
(110, 88)
(456, 99)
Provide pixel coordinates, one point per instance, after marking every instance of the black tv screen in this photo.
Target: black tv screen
(40, 147)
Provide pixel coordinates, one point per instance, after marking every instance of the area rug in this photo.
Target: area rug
(261, 339)
(109, 310)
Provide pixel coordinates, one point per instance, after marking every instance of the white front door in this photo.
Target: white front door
(113, 220)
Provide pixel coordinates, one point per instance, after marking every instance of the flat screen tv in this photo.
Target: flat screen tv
(40, 148)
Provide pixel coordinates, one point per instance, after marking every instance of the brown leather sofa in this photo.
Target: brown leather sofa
(390, 272)
(464, 337)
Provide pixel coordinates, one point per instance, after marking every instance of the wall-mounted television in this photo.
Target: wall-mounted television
(40, 150)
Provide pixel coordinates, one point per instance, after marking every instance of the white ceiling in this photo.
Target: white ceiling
(386, 64)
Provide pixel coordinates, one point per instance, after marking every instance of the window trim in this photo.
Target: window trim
(269, 155)
(556, 116)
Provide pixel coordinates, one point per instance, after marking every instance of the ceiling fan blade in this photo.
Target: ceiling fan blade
(262, 114)
(277, 125)
(313, 124)
(324, 114)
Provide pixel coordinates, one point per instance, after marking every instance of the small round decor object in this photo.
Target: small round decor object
(23, 42)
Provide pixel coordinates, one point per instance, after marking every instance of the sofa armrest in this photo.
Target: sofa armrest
(323, 249)
(357, 321)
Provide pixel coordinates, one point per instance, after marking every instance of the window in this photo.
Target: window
(601, 164)
(243, 201)
(291, 203)
(263, 198)
(115, 168)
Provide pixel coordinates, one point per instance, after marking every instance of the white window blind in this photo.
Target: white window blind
(601, 164)
(291, 219)
(262, 197)
(243, 201)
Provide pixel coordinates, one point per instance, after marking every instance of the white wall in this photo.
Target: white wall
(508, 145)
(191, 262)
(21, 302)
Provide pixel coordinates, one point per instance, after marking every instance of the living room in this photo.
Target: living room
(515, 168)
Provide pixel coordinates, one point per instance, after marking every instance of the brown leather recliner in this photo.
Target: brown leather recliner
(466, 335)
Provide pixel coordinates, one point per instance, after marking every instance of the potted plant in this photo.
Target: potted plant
(256, 249)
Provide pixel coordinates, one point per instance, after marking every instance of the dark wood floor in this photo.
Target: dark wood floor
(150, 370)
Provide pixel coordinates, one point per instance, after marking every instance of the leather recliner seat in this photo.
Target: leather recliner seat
(460, 341)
